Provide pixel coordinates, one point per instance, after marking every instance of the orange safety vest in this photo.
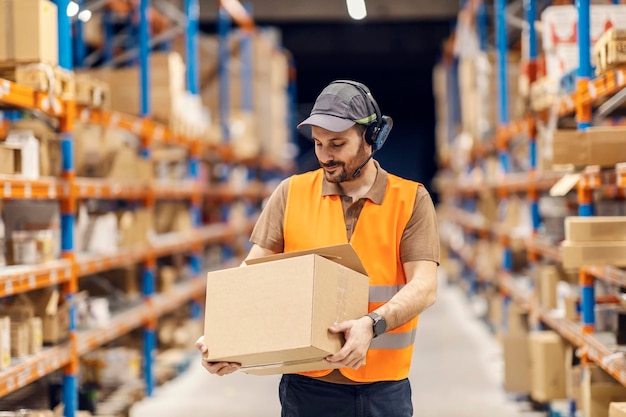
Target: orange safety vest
(313, 220)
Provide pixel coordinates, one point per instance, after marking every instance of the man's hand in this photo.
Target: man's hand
(359, 334)
(217, 368)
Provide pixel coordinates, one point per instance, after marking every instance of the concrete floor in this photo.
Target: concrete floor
(456, 372)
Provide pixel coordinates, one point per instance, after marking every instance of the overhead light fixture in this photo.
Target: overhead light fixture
(85, 15)
(72, 9)
(356, 9)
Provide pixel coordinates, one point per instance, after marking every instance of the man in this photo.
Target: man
(391, 224)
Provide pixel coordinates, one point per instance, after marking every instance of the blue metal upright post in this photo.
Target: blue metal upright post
(583, 112)
(503, 95)
(503, 120)
(68, 209)
(583, 118)
(144, 54)
(65, 35)
(107, 23)
(149, 268)
(481, 20)
(530, 7)
(195, 259)
(192, 11)
(223, 29)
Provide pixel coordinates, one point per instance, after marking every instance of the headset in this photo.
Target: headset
(376, 133)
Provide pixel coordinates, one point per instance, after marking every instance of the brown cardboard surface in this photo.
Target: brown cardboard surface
(517, 320)
(341, 254)
(547, 366)
(576, 254)
(547, 279)
(29, 31)
(516, 363)
(598, 391)
(273, 315)
(595, 228)
(617, 409)
(7, 159)
(594, 146)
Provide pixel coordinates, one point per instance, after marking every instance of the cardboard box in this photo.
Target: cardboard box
(516, 363)
(167, 82)
(54, 315)
(599, 390)
(604, 146)
(19, 338)
(547, 366)
(9, 155)
(595, 229)
(617, 409)
(547, 278)
(29, 31)
(577, 254)
(273, 315)
(517, 320)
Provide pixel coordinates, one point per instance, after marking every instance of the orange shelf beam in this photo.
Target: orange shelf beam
(33, 368)
(19, 279)
(15, 187)
(16, 95)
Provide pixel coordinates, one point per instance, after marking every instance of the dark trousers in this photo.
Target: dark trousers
(301, 396)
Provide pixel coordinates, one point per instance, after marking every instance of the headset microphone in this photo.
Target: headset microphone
(358, 170)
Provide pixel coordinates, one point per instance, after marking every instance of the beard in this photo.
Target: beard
(340, 174)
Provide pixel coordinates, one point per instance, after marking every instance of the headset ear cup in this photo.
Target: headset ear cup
(370, 134)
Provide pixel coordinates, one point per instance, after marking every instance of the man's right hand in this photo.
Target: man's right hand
(217, 368)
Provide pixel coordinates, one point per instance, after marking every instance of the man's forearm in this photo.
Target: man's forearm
(416, 296)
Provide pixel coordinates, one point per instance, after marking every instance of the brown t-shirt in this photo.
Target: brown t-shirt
(420, 239)
(419, 242)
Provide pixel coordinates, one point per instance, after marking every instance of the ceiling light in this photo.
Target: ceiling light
(72, 9)
(85, 15)
(356, 9)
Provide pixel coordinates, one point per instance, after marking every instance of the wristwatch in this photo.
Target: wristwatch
(380, 325)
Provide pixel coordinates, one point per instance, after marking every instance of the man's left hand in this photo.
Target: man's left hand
(359, 334)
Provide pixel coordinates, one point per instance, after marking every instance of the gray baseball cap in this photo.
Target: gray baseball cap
(340, 106)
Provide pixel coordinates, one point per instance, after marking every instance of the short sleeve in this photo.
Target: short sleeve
(420, 239)
(268, 230)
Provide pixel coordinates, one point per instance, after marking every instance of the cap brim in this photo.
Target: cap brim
(325, 121)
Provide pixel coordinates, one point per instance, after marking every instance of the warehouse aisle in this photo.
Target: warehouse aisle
(456, 372)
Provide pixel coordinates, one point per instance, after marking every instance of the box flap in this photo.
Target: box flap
(343, 254)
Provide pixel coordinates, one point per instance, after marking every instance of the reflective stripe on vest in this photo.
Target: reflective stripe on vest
(313, 220)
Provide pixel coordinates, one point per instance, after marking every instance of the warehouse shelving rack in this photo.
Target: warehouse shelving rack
(531, 183)
(69, 189)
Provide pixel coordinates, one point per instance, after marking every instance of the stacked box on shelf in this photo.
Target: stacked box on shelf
(478, 87)
(547, 366)
(265, 129)
(603, 146)
(598, 391)
(515, 350)
(598, 240)
(39, 43)
(167, 83)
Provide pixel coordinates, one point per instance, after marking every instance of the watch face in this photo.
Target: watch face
(380, 326)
